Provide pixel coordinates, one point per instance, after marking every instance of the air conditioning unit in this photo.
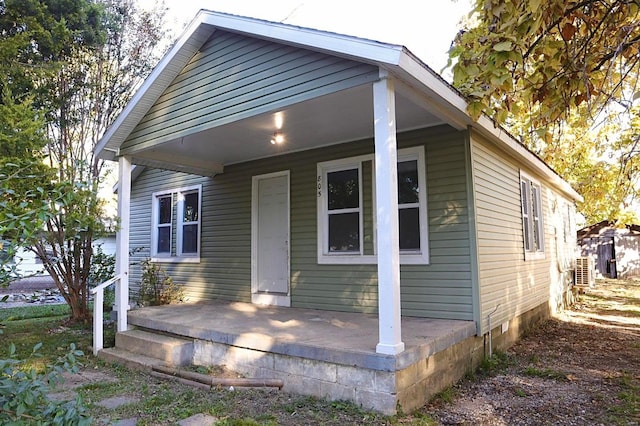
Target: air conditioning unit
(585, 272)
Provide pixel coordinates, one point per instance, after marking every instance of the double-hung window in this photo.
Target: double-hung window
(344, 211)
(532, 220)
(163, 226)
(176, 226)
(340, 212)
(347, 210)
(409, 205)
(189, 222)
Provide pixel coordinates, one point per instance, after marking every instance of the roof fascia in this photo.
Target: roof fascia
(442, 92)
(360, 49)
(182, 51)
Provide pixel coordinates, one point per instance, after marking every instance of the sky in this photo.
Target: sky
(425, 27)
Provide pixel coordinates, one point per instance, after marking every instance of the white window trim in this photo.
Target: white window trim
(324, 257)
(155, 209)
(181, 223)
(420, 257)
(177, 196)
(417, 257)
(535, 252)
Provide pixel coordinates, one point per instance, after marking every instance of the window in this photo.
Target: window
(345, 213)
(176, 225)
(343, 221)
(532, 223)
(189, 223)
(409, 205)
(165, 209)
(340, 209)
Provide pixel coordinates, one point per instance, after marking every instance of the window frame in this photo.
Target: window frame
(155, 215)
(421, 256)
(181, 223)
(407, 257)
(532, 215)
(176, 226)
(324, 255)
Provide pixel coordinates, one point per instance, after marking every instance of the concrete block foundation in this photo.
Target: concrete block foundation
(409, 387)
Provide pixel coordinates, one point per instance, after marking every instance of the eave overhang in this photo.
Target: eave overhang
(415, 80)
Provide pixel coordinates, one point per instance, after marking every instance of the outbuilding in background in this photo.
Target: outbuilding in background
(615, 249)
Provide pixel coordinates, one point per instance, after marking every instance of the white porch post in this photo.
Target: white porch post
(384, 111)
(122, 241)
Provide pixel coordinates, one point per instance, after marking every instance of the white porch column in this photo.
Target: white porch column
(122, 241)
(384, 111)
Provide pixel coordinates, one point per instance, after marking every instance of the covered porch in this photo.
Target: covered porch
(315, 352)
(365, 90)
(339, 337)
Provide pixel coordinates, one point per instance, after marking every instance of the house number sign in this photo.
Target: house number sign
(319, 186)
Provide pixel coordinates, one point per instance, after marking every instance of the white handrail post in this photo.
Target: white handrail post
(98, 312)
(98, 332)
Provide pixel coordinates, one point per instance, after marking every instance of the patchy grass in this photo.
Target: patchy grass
(447, 396)
(35, 311)
(164, 402)
(545, 373)
(494, 364)
(547, 353)
(628, 406)
(520, 392)
(417, 418)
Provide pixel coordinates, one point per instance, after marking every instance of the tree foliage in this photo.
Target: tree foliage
(564, 76)
(80, 61)
(25, 391)
(24, 178)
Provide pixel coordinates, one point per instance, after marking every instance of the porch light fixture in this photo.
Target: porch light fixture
(277, 139)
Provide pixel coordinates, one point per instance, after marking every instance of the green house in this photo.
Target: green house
(331, 179)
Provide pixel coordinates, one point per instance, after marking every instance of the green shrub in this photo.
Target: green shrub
(156, 287)
(24, 393)
(103, 268)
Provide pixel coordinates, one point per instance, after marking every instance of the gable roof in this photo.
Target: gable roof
(422, 81)
(607, 227)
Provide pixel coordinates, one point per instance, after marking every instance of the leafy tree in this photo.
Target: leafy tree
(564, 75)
(24, 178)
(85, 59)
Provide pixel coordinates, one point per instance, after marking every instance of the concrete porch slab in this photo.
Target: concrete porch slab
(335, 337)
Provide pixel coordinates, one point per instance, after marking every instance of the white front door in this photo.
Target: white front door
(270, 239)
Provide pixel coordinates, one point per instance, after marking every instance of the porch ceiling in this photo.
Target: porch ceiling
(336, 118)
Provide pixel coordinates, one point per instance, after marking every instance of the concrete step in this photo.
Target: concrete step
(128, 359)
(171, 350)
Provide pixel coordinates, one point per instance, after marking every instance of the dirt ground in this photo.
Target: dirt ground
(581, 368)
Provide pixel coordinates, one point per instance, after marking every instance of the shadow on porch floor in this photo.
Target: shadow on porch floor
(337, 337)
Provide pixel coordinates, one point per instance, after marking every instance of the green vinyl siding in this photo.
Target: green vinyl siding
(441, 289)
(508, 281)
(234, 77)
